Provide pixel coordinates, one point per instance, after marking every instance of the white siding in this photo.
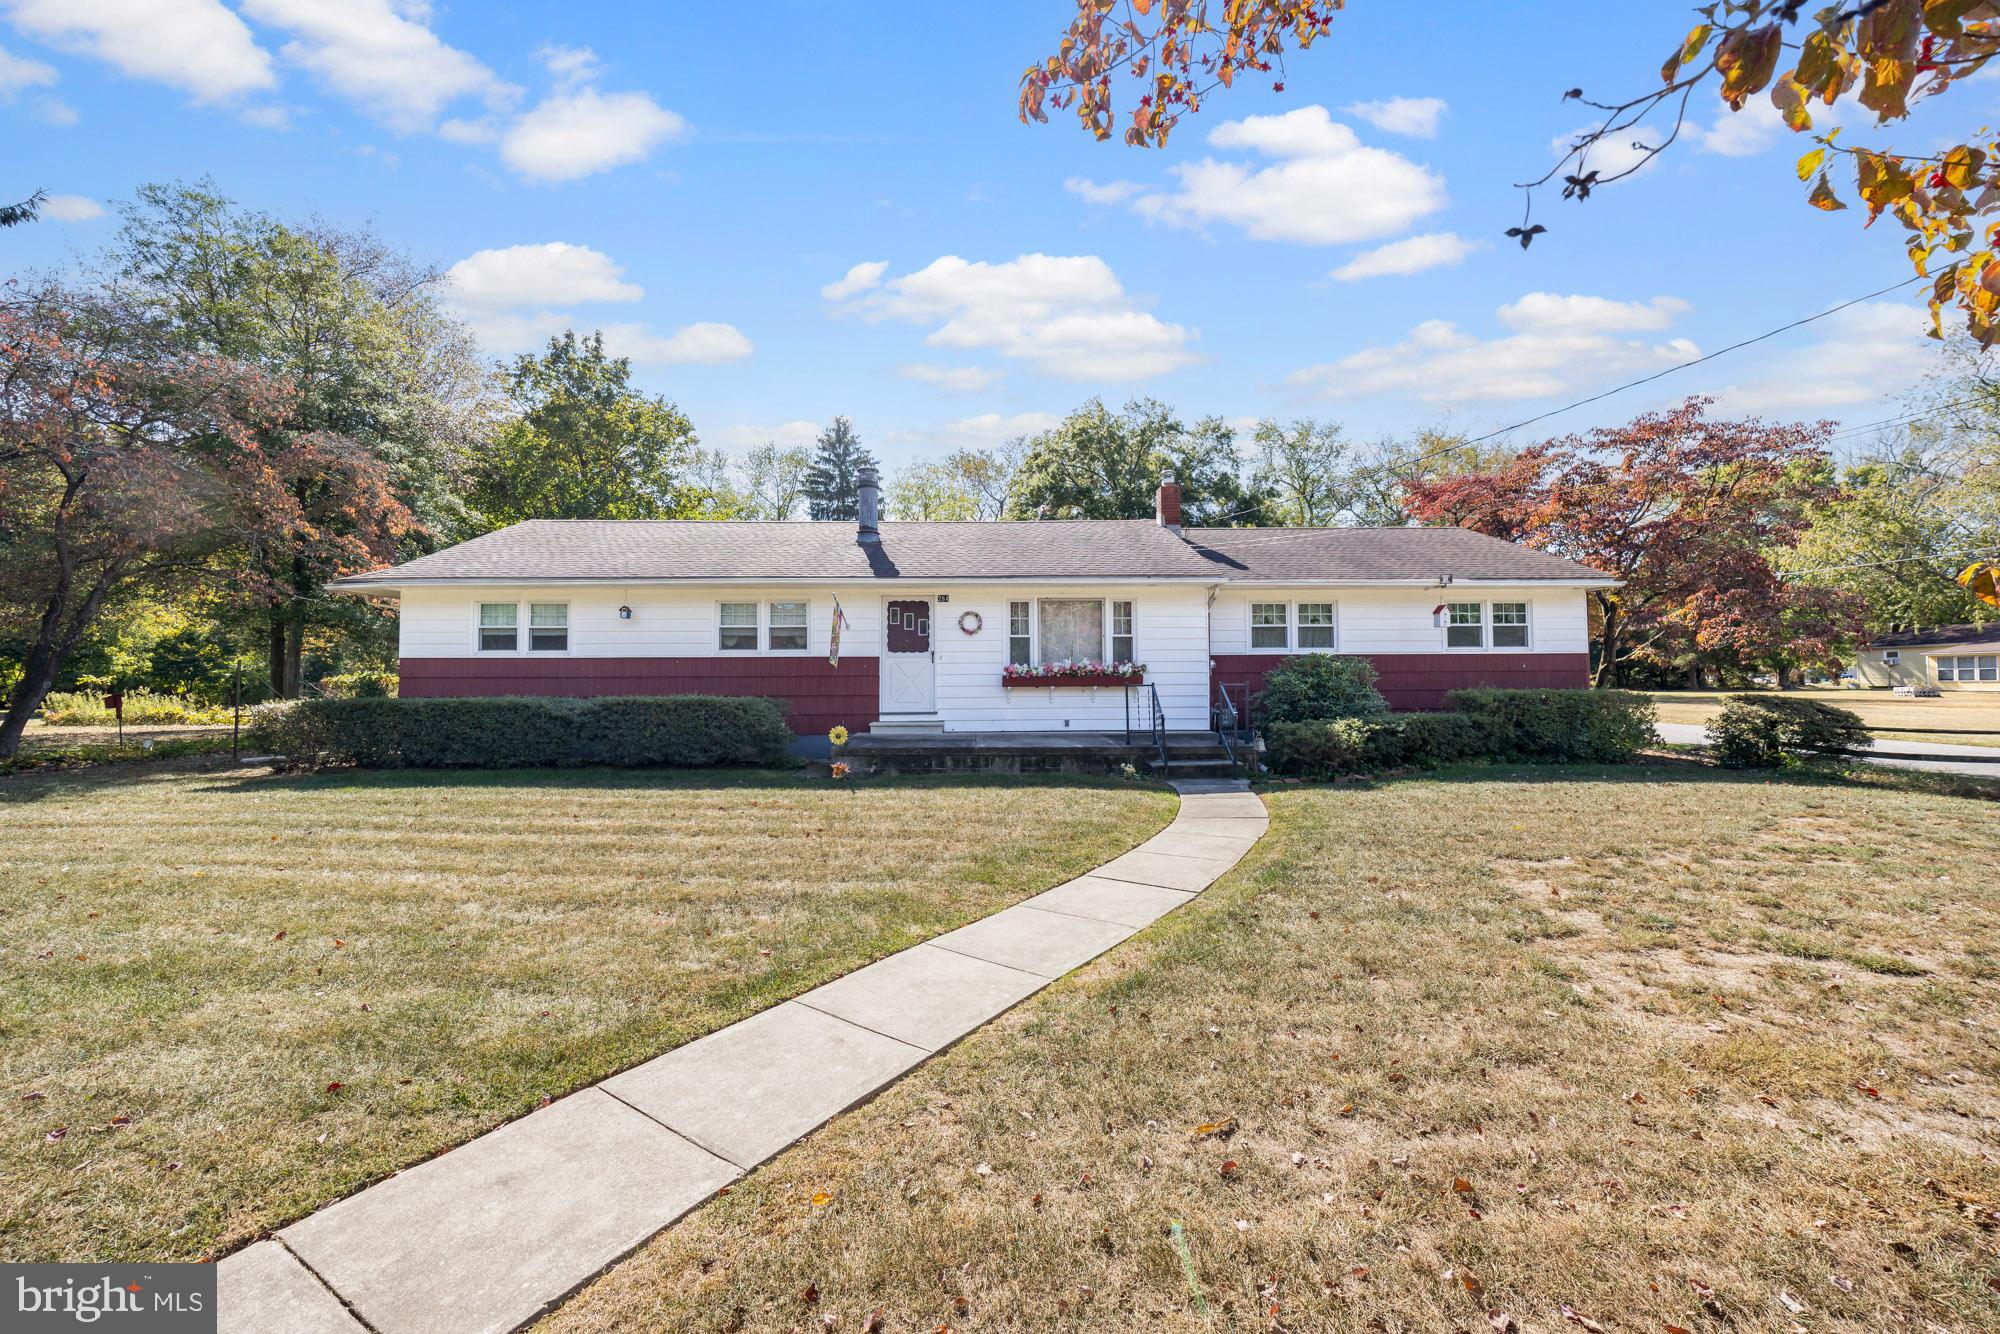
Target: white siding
(666, 622)
(1399, 620)
(1171, 639)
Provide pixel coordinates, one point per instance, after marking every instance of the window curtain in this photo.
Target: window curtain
(1072, 630)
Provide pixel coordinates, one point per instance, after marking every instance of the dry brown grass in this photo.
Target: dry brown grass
(1665, 1047)
(239, 998)
(1959, 718)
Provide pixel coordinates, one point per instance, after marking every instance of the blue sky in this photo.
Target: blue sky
(782, 217)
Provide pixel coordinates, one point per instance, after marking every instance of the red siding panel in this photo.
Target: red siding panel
(1422, 680)
(819, 695)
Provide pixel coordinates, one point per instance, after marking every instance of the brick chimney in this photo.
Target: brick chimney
(1169, 506)
(868, 504)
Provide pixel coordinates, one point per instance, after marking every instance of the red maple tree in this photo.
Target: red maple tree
(1685, 510)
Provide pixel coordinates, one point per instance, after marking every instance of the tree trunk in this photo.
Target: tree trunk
(1694, 676)
(39, 674)
(274, 655)
(1607, 660)
(53, 642)
(1784, 678)
(295, 646)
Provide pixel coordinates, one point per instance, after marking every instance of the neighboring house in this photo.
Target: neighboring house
(1950, 657)
(935, 613)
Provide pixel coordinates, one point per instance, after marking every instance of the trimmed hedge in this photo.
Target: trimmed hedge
(1537, 726)
(1762, 732)
(1563, 726)
(521, 731)
(1312, 687)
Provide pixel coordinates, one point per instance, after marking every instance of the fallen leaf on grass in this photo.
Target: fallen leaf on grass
(1228, 1168)
(811, 1295)
(821, 1199)
(1846, 1284)
(279, 936)
(873, 1324)
(335, 1087)
(1576, 1317)
(1790, 1303)
(1501, 1323)
(1461, 1185)
(33, 1097)
(1471, 1283)
(1222, 1129)
(56, 1136)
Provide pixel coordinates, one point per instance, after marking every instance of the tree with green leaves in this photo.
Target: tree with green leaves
(586, 444)
(965, 485)
(385, 386)
(775, 480)
(1305, 473)
(25, 210)
(830, 483)
(1098, 464)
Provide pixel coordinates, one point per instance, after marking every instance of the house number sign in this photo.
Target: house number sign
(970, 621)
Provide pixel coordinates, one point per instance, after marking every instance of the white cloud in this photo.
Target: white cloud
(857, 280)
(268, 117)
(1067, 315)
(552, 273)
(379, 56)
(71, 208)
(55, 111)
(1561, 344)
(959, 379)
(1327, 187)
(198, 46)
(1437, 250)
(512, 299)
(1547, 312)
(1744, 133)
(571, 134)
(1417, 117)
(705, 344)
(1863, 355)
(18, 72)
(1102, 192)
(991, 428)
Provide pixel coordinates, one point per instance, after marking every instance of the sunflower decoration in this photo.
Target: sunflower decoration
(838, 735)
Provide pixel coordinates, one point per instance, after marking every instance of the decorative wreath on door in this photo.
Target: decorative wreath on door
(970, 622)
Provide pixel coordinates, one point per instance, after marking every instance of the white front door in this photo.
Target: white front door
(909, 663)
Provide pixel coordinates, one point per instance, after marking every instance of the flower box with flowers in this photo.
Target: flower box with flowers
(1078, 674)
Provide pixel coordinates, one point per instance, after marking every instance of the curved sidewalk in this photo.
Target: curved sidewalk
(492, 1234)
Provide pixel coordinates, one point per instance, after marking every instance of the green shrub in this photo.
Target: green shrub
(519, 731)
(1763, 732)
(1561, 726)
(1330, 747)
(1312, 686)
(1429, 740)
(359, 685)
(143, 708)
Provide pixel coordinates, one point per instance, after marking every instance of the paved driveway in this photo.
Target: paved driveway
(1937, 757)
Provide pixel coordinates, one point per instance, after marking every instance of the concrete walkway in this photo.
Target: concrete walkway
(1934, 756)
(489, 1236)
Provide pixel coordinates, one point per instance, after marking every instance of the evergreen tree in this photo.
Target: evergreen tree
(830, 482)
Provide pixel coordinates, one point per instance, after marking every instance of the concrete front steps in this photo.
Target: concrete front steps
(1199, 756)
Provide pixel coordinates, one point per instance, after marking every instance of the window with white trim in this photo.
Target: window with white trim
(736, 630)
(1969, 667)
(1465, 625)
(1270, 625)
(1315, 625)
(548, 627)
(1510, 625)
(499, 627)
(1122, 637)
(1020, 640)
(1072, 629)
(789, 631)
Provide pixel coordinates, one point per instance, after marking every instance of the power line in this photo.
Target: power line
(1877, 564)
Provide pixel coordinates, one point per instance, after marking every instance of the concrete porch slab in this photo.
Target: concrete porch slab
(753, 1088)
(925, 996)
(263, 1289)
(1034, 941)
(1166, 870)
(488, 1235)
(1117, 901)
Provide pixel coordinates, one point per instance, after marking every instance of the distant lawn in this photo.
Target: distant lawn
(1955, 718)
(1666, 1047)
(227, 999)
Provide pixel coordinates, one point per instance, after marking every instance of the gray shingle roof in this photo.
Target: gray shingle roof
(1369, 554)
(1937, 636)
(615, 550)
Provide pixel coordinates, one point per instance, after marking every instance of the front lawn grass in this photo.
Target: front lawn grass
(227, 999)
(1958, 718)
(1636, 1049)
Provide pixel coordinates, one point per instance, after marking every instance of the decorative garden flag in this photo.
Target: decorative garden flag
(839, 619)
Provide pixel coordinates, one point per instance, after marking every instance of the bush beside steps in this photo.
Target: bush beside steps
(520, 732)
(1536, 726)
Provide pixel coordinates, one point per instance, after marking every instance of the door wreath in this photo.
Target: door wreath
(970, 622)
